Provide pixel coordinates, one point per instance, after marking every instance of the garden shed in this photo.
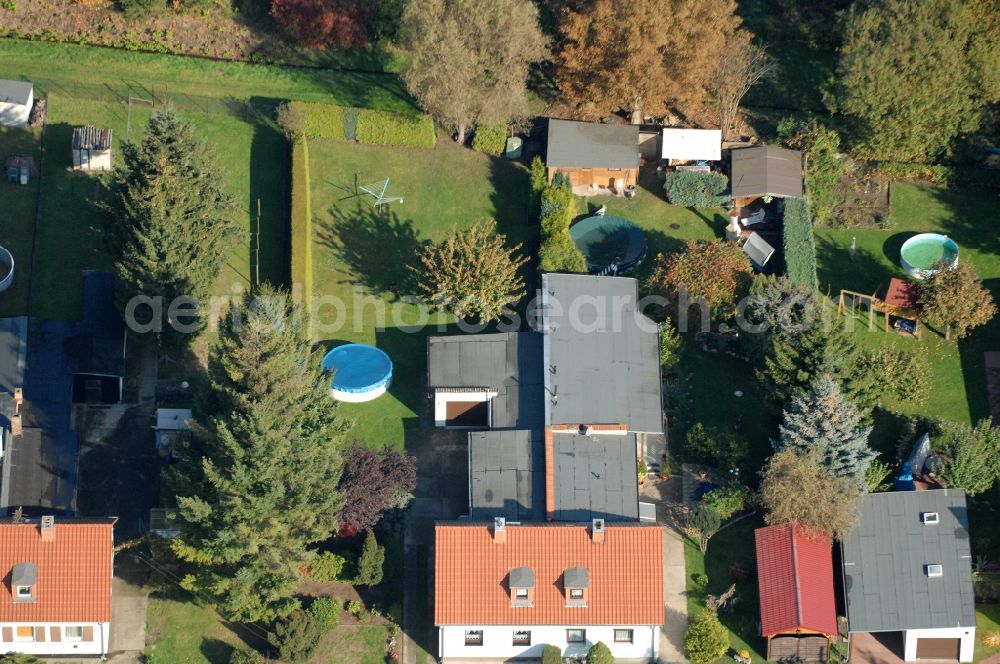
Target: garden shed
(16, 100)
(765, 171)
(593, 154)
(91, 149)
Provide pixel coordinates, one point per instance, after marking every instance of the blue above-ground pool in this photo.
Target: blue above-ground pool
(610, 244)
(360, 372)
(922, 255)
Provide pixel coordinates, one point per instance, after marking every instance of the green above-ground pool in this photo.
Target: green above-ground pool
(922, 255)
(610, 244)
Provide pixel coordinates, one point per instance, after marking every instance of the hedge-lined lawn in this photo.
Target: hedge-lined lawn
(18, 216)
(179, 629)
(69, 67)
(666, 226)
(356, 248)
(987, 622)
(349, 644)
(958, 385)
(730, 559)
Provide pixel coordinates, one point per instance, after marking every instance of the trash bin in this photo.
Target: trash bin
(514, 147)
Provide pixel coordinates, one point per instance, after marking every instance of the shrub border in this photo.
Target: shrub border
(302, 264)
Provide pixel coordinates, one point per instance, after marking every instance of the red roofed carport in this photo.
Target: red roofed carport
(798, 614)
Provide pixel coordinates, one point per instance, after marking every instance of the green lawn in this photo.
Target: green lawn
(179, 629)
(18, 216)
(362, 259)
(348, 644)
(958, 389)
(987, 622)
(69, 69)
(730, 553)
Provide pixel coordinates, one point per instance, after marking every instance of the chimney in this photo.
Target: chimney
(597, 531)
(47, 528)
(500, 530)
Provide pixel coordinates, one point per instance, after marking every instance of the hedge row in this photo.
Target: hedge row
(364, 125)
(800, 247)
(302, 266)
(959, 177)
(490, 139)
(558, 252)
(696, 188)
(385, 128)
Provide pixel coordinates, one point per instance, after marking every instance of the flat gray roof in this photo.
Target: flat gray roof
(766, 170)
(595, 477)
(601, 355)
(15, 92)
(507, 475)
(885, 559)
(592, 145)
(509, 363)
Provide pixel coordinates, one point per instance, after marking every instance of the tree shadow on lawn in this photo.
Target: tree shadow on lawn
(971, 221)
(971, 354)
(730, 560)
(511, 199)
(269, 169)
(864, 273)
(378, 249)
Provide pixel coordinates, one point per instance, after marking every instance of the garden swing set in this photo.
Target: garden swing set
(900, 302)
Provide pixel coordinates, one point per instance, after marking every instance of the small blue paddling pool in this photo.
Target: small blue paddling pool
(610, 244)
(360, 372)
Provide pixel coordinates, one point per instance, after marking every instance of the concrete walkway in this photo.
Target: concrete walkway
(668, 497)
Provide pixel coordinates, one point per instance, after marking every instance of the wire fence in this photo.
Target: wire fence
(160, 97)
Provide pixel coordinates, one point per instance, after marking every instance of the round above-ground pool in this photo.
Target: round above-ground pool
(360, 372)
(610, 244)
(6, 269)
(922, 255)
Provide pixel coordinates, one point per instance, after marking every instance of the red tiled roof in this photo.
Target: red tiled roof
(625, 574)
(795, 581)
(74, 570)
(901, 293)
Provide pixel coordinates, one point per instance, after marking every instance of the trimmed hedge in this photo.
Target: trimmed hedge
(696, 188)
(320, 120)
(490, 139)
(558, 252)
(364, 125)
(800, 247)
(302, 266)
(385, 128)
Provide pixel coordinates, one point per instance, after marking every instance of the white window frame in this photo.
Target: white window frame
(23, 592)
(472, 641)
(623, 630)
(520, 593)
(576, 593)
(526, 641)
(66, 636)
(582, 632)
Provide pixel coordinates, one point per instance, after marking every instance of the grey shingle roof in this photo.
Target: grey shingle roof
(91, 138)
(576, 577)
(15, 92)
(509, 363)
(766, 170)
(592, 145)
(595, 477)
(521, 577)
(506, 475)
(884, 561)
(601, 354)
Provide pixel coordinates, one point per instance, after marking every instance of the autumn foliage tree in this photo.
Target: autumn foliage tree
(714, 273)
(472, 273)
(640, 55)
(373, 482)
(325, 23)
(469, 59)
(795, 488)
(743, 66)
(955, 299)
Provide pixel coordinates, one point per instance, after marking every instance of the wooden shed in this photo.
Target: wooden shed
(91, 149)
(593, 154)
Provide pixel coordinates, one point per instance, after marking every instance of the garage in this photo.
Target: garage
(938, 648)
(470, 414)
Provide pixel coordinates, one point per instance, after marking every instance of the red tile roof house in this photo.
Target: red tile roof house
(56, 596)
(503, 591)
(798, 613)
